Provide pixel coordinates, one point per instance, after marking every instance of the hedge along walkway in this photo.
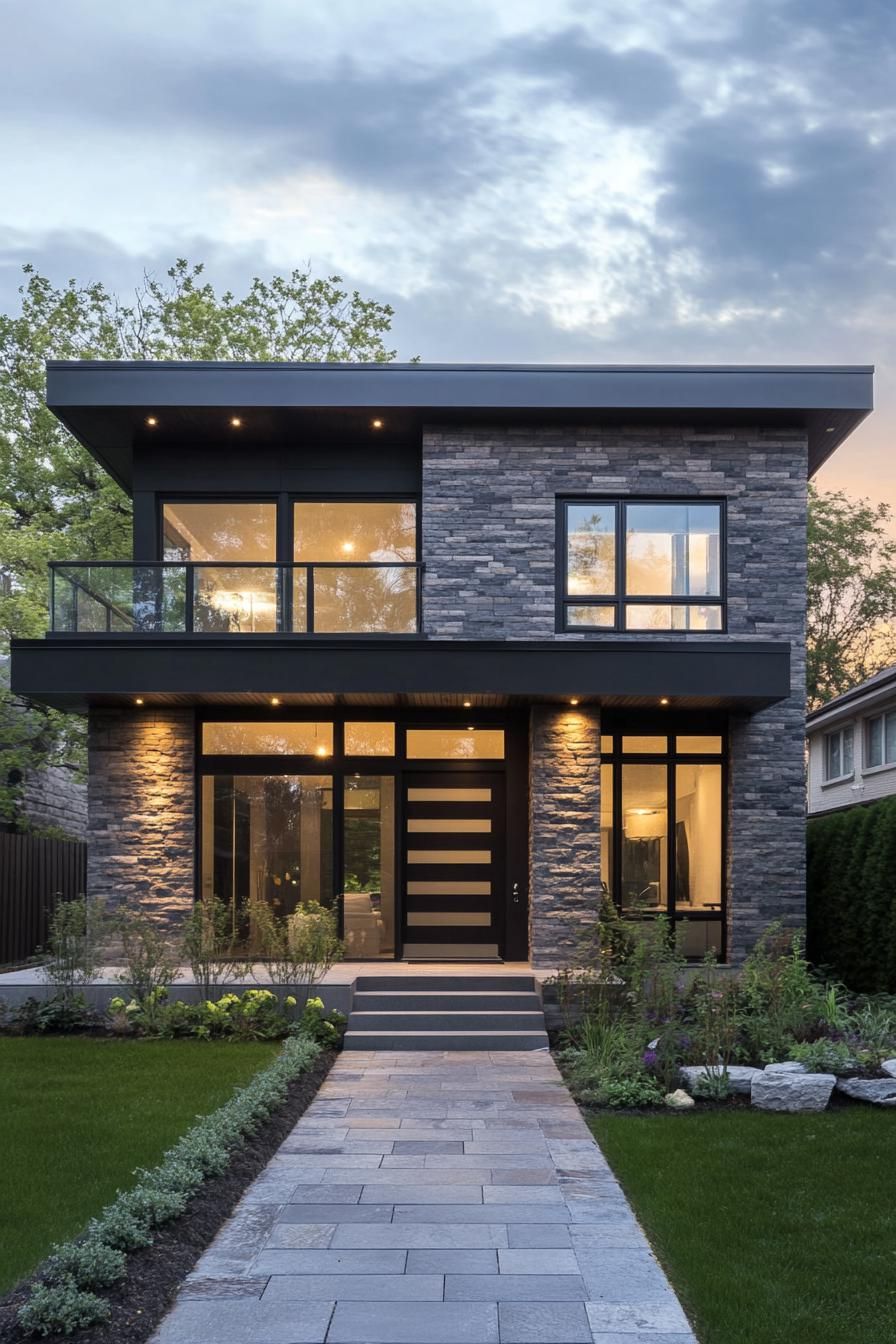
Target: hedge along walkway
(429, 1198)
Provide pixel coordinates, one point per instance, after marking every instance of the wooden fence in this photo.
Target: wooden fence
(34, 874)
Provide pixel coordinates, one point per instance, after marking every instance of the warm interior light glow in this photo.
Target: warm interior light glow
(376, 424)
(573, 702)
(151, 420)
(348, 547)
(235, 421)
(321, 751)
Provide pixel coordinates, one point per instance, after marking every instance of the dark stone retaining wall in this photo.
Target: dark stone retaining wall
(141, 799)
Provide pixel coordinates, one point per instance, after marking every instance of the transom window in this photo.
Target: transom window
(880, 740)
(838, 754)
(641, 565)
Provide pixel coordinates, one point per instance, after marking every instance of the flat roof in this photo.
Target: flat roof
(105, 403)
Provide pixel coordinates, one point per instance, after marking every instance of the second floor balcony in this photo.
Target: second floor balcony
(229, 598)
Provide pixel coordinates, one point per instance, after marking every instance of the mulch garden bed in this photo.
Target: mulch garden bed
(155, 1274)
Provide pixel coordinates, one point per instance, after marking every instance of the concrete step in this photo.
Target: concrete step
(445, 1040)
(446, 1021)
(455, 1001)
(470, 983)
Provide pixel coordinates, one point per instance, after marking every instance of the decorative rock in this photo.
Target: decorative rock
(879, 1091)
(789, 1066)
(679, 1100)
(740, 1077)
(774, 1090)
(889, 1066)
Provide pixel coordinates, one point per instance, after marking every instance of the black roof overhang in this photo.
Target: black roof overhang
(72, 672)
(105, 404)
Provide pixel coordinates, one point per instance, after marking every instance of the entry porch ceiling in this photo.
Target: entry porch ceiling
(106, 404)
(72, 672)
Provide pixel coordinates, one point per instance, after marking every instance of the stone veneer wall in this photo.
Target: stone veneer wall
(489, 530)
(141, 824)
(564, 837)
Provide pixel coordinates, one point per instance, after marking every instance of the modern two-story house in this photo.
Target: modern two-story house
(457, 648)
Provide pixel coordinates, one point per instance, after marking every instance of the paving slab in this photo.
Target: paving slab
(432, 1198)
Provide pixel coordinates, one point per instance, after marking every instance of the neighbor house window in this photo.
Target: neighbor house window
(880, 741)
(229, 548)
(661, 832)
(641, 565)
(355, 570)
(838, 763)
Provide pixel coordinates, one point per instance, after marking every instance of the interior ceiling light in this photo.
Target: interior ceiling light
(321, 751)
(348, 547)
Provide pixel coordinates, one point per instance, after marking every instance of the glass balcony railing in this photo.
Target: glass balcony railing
(106, 597)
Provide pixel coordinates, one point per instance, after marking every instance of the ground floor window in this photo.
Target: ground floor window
(662, 831)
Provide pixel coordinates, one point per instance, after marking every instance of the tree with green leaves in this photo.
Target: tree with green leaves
(851, 593)
(56, 502)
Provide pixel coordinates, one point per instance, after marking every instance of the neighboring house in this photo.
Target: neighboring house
(46, 798)
(852, 746)
(469, 644)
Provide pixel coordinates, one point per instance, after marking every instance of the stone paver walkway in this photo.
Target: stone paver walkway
(429, 1198)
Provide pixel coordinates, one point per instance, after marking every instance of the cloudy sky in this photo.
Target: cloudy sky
(548, 180)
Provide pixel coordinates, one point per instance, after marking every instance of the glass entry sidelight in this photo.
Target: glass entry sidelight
(453, 865)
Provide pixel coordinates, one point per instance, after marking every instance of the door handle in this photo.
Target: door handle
(516, 893)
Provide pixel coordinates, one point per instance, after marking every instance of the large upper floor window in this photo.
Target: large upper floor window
(355, 566)
(641, 565)
(838, 754)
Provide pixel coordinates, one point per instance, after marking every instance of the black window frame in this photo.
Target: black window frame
(620, 600)
(681, 726)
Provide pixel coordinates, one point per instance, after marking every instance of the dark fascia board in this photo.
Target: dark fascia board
(828, 401)
(71, 672)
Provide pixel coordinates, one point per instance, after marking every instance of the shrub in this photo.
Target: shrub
(714, 1084)
(825, 1056)
(73, 956)
(313, 942)
(327, 1029)
(782, 1001)
(210, 943)
(150, 964)
(635, 1091)
(61, 1309)
(851, 905)
(61, 1013)
(89, 1264)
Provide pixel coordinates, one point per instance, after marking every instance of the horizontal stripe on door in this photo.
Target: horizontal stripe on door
(449, 824)
(449, 888)
(455, 918)
(449, 856)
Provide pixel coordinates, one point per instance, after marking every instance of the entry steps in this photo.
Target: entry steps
(446, 1012)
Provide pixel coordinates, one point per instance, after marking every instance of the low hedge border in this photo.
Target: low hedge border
(68, 1294)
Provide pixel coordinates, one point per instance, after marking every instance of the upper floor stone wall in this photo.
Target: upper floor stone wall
(489, 518)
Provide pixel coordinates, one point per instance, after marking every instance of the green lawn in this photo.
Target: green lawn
(771, 1227)
(79, 1114)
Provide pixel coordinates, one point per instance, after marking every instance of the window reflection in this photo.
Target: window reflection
(672, 549)
(222, 530)
(644, 838)
(443, 744)
(591, 552)
(268, 838)
(267, 739)
(698, 837)
(355, 534)
(369, 857)
(606, 828)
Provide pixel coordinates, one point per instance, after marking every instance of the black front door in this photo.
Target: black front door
(453, 864)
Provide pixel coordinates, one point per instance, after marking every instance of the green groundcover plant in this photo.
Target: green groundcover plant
(68, 1294)
(634, 1014)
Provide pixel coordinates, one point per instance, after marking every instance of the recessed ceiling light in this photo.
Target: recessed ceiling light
(235, 421)
(275, 699)
(376, 424)
(151, 421)
(468, 704)
(664, 700)
(139, 700)
(574, 701)
(830, 429)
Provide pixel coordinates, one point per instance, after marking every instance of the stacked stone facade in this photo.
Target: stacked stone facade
(489, 546)
(141, 830)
